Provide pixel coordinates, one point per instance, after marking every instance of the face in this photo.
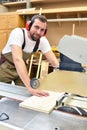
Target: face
(37, 29)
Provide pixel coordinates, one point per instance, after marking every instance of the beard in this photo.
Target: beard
(35, 38)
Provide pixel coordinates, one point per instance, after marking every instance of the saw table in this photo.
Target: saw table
(27, 119)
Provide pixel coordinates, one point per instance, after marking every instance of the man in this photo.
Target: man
(15, 53)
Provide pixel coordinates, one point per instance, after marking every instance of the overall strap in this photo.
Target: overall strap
(4, 58)
(36, 45)
(23, 45)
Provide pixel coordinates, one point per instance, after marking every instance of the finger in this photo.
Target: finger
(42, 93)
(38, 94)
(45, 93)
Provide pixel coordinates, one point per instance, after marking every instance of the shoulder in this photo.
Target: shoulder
(16, 30)
(44, 39)
(16, 37)
(17, 33)
(44, 45)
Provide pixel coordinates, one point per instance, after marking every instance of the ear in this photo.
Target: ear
(28, 24)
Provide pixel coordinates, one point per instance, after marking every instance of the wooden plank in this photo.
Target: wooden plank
(47, 1)
(42, 104)
(39, 65)
(14, 3)
(65, 81)
(25, 10)
(44, 69)
(30, 66)
(57, 10)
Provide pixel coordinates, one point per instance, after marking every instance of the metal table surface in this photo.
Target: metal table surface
(32, 120)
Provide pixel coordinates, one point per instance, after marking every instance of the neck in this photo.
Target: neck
(28, 33)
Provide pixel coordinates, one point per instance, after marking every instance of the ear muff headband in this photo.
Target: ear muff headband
(45, 32)
(29, 26)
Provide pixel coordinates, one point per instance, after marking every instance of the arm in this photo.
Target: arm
(52, 58)
(22, 70)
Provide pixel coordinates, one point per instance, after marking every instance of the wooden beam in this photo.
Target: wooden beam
(58, 10)
(67, 19)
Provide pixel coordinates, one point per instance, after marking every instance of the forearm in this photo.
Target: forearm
(52, 59)
(22, 72)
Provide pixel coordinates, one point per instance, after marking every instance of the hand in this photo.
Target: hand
(38, 93)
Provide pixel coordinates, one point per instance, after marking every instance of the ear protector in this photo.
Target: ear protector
(27, 26)
(30, 23)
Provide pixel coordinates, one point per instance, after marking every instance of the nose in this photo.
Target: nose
(39, 31)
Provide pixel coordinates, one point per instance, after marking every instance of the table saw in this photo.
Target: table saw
(28, 119)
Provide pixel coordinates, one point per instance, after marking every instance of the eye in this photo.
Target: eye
(36, 27)
(42, 30)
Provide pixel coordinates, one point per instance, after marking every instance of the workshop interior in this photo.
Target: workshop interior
(66, 106)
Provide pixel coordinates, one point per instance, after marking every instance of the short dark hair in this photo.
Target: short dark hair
(40, 17)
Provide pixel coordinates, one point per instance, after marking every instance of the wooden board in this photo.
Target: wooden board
(42, 104)
(65, 81)
(57, 10)
(44, 69)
